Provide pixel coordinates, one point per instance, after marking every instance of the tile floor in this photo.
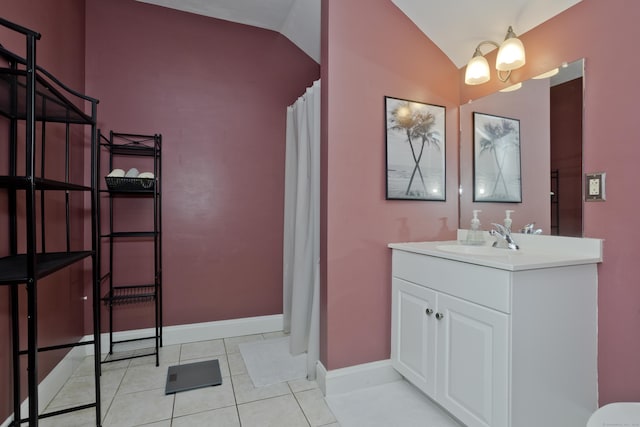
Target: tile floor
(395, 404)
(133, 394)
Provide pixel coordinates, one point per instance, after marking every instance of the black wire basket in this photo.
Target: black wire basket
(120, 295)
(118, 183)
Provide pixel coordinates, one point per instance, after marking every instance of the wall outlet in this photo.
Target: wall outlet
(594, 187)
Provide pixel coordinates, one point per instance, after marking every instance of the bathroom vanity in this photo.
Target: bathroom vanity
(499, 338)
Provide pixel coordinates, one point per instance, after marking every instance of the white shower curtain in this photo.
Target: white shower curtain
(301, 261)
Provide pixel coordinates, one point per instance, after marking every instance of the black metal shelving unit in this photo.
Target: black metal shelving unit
(124, 145)
(31, 98)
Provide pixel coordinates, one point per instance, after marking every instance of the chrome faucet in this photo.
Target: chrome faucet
(503, 237)
(528, 229)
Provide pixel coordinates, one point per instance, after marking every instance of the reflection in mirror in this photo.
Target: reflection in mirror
(550, 112)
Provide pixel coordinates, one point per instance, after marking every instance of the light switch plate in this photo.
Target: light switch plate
(594, 186)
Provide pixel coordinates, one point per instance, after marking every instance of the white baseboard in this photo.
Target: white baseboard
(181, 334)
(353, 378)
(172, 335)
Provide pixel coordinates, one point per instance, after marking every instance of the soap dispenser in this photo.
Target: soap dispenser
(507, 219)
(474, 235)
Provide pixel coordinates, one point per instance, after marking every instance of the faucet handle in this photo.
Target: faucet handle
(528, 229)
(500, 228)
(504, 236)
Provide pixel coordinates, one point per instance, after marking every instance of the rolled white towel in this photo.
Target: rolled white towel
(116, 173)
(146, 175)
(132, 173)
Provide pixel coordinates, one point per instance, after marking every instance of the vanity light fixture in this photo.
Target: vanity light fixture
(510, 57)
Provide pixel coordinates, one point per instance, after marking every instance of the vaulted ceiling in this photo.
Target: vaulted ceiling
(456, 26)
(298, 20)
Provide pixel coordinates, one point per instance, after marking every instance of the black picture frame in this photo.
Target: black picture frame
(497, 173)
(415, 150)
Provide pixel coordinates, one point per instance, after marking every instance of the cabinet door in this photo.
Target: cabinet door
(473, 362)
(413, 333)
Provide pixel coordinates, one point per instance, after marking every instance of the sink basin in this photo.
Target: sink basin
(476, 250)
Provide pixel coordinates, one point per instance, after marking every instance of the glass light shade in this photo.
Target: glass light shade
(511, 88)
(546, 75)
(477, 71)
(510, 55)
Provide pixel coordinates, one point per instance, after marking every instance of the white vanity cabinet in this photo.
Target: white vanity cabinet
(453, 350)
(471, 374)
(497, 347)
(413, 338)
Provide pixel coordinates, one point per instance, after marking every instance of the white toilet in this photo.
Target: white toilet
(616, 414)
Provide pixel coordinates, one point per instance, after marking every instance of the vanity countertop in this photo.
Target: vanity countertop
(536, 251)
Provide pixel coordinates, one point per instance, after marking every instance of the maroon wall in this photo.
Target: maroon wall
(60, 51)
(362, 61)
(566, 153)
(217, 92)
(165, 59)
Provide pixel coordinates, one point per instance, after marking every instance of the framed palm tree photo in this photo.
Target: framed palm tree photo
(496, 160)
(415, 144)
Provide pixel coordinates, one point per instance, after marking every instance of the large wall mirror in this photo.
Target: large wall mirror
(542, 123)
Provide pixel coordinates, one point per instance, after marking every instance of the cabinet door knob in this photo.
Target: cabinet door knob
(439, 316)
(429, 311)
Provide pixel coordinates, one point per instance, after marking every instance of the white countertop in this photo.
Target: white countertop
(536, 251)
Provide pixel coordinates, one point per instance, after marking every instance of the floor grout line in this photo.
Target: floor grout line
(230, 344)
